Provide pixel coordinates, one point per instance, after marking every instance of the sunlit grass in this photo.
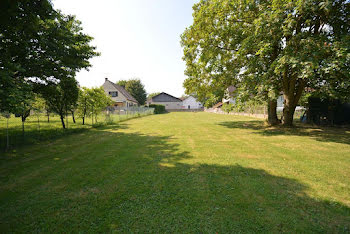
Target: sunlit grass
(180, 172)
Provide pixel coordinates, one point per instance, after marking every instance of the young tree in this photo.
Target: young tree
(83, 103)
(98, 101)
(38, 107)
(92, 101)
(25, 99)
(62, 97)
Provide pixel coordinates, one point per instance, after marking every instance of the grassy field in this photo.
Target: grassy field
(37, 127)
(180, 172)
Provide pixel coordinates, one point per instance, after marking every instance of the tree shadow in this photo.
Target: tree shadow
(325, 134)
(132, 182)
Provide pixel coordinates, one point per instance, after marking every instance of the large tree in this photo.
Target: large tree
(268, 47)
(38, 46)
(20, 23)
(135, 88)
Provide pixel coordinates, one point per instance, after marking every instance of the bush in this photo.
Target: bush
(227, 107)
(158, 109)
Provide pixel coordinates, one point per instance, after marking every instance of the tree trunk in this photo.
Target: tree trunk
(288, 111)
(23, 119)
(67, 119)
(38, 123)
(7, 135)
(48, 117)
(73, 117)
(83, 120)
(92, 116)
(272, 112)
(62, 121)
(291, 99)
(293, 87)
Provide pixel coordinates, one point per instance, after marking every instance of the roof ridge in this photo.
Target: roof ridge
(121, 89)
(166, 94)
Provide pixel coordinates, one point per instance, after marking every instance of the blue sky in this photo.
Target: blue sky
(136, 38)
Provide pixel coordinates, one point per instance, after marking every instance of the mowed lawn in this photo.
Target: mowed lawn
(180, 172)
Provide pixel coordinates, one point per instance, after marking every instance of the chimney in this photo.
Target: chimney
(106, 79)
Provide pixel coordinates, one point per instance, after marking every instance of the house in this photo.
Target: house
(119, 95)
(229, 95)
(191, 103)
(170, 102)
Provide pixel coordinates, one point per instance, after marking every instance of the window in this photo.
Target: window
(113, 93)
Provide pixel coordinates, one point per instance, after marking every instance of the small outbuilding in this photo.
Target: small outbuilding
(170, 102)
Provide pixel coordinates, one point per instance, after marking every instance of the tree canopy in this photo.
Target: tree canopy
(268, 47)
(135, 88)
(38, 47)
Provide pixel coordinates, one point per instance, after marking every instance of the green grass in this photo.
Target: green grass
(180, 172)
(36, 130)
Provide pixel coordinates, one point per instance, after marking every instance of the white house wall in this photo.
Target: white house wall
(191, 103)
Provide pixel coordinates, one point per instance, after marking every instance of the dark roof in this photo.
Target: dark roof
(121, 89)
(162, 93)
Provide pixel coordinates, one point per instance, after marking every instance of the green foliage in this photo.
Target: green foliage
(227, 107)
(98, 100)
(266, 47)
(38, 46)
(135, 88)
(158, 109)
(62, 97)
(151, 95)
(211, 99)
(92, 101)
(39, 104)
(122, 83)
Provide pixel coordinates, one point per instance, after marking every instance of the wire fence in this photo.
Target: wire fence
(257, 112)
(39, 126)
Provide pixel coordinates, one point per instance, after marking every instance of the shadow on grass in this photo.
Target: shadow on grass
(130, 182)
(326, 134)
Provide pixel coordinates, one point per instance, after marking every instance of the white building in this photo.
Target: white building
(191, 103)
(229, 95)
(170, 102)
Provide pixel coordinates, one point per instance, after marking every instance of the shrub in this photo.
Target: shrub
(158, 109)
(227, 107)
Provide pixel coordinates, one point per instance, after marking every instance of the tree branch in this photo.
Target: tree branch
(224, 48)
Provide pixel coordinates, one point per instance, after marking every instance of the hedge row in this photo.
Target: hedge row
(158, 109)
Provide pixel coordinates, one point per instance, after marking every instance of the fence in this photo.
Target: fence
(39, 127)
(257, 112)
